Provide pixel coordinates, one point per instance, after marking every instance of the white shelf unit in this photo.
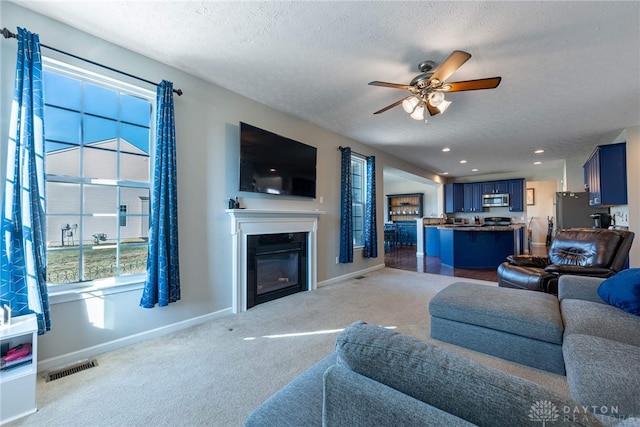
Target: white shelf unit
(18, 385)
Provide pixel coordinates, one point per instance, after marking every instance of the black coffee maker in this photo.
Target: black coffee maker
(601, 220)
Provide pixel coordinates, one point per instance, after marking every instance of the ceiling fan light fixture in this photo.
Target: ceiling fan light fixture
(418, 113)
(409, 104)
(428, 89)
(443, 106)
(436, 98)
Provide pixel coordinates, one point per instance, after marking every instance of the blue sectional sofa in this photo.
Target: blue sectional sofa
(593, 341)
(378, 377)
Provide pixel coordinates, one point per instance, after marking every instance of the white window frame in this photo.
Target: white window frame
(357, 221)
(65, 292)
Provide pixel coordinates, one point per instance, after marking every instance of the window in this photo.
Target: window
(97, 144)
(358, 198)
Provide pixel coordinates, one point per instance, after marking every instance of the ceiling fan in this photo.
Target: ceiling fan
(427, 89)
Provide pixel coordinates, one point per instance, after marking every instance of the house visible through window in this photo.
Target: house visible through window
(97, 144)
(358, 194)
(123, 216)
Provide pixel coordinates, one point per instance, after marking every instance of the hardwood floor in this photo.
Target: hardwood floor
(404, 258)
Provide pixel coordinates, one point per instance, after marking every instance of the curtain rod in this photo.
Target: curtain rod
(340, 148)
(8, 34)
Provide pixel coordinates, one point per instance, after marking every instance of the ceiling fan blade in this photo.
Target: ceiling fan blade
(451, 64)
(432, 110)
(489, 83)
(391, 85)
(388, 107)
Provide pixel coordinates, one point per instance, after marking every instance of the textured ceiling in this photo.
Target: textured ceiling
(570, 70)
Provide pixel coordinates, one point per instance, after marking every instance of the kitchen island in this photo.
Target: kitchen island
(472, 246)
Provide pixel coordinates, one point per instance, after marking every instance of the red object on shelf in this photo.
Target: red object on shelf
(19, 352)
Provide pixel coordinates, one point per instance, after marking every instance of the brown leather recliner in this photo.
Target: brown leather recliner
(591, 252)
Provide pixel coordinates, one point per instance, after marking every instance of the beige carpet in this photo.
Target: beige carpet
(216, 373)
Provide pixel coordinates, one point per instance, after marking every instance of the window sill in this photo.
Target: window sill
(95, 289)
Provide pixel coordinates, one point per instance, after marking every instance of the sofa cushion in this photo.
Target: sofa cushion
(600, 320)
(449, 381)
(351, 399)
(623, 290)
(297, 404)
(533, 315)
(516, 348)
(603, 374)
(579, 287)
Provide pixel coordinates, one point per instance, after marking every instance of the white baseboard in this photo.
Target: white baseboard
(91, 352)
(350, 275)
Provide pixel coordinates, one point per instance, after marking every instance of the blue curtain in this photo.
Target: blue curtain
(23, 281)
(162, 285)
(370, 222)
(346, 227)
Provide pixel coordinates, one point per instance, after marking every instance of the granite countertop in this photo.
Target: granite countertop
(474, 227)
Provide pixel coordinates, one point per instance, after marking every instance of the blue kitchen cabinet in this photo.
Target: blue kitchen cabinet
(516, 195)
(460, 248)
(605, 175)
(472, 197)
(407, 233)
(467, 197)
(432, 241)
(454, 198)
(495, 187)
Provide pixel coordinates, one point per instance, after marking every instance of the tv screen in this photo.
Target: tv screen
(273, 164)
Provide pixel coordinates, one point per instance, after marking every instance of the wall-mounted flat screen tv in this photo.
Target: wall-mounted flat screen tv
(273, 164)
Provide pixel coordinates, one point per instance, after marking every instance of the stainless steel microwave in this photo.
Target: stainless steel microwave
(495, 200)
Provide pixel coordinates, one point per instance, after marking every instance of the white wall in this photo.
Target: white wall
(543, 207)
(431, 205)
(207, 135)
(574, 177)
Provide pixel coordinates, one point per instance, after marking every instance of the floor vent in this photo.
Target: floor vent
(359, 277)
(71, 369)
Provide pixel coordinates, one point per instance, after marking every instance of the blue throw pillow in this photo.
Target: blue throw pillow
(623, 290)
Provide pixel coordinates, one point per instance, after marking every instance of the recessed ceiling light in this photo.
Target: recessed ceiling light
(445, 173)
(537, 163)
(446, 149)
(463, 161)
(539, 151)
(474, 170)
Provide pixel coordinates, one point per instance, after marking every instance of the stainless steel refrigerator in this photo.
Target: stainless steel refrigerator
(573, 210)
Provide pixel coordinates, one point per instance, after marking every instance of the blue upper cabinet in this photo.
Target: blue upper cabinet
(516, 195)
(467, 197)
(605, 175)
(473, 197)
(495, 187)
(453, 198)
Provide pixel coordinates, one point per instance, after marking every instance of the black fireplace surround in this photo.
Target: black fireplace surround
(276, 266)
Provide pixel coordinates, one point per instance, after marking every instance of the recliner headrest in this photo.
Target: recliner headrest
(585, 247)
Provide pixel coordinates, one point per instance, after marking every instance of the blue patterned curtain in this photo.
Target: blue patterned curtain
(346, 227)
(23, 281)
(162, 285)
(370, 222)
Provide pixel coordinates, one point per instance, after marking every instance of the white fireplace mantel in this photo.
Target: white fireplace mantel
(245, 222)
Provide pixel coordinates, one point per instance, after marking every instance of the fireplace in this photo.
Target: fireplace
(247, 223)
(276, 266)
